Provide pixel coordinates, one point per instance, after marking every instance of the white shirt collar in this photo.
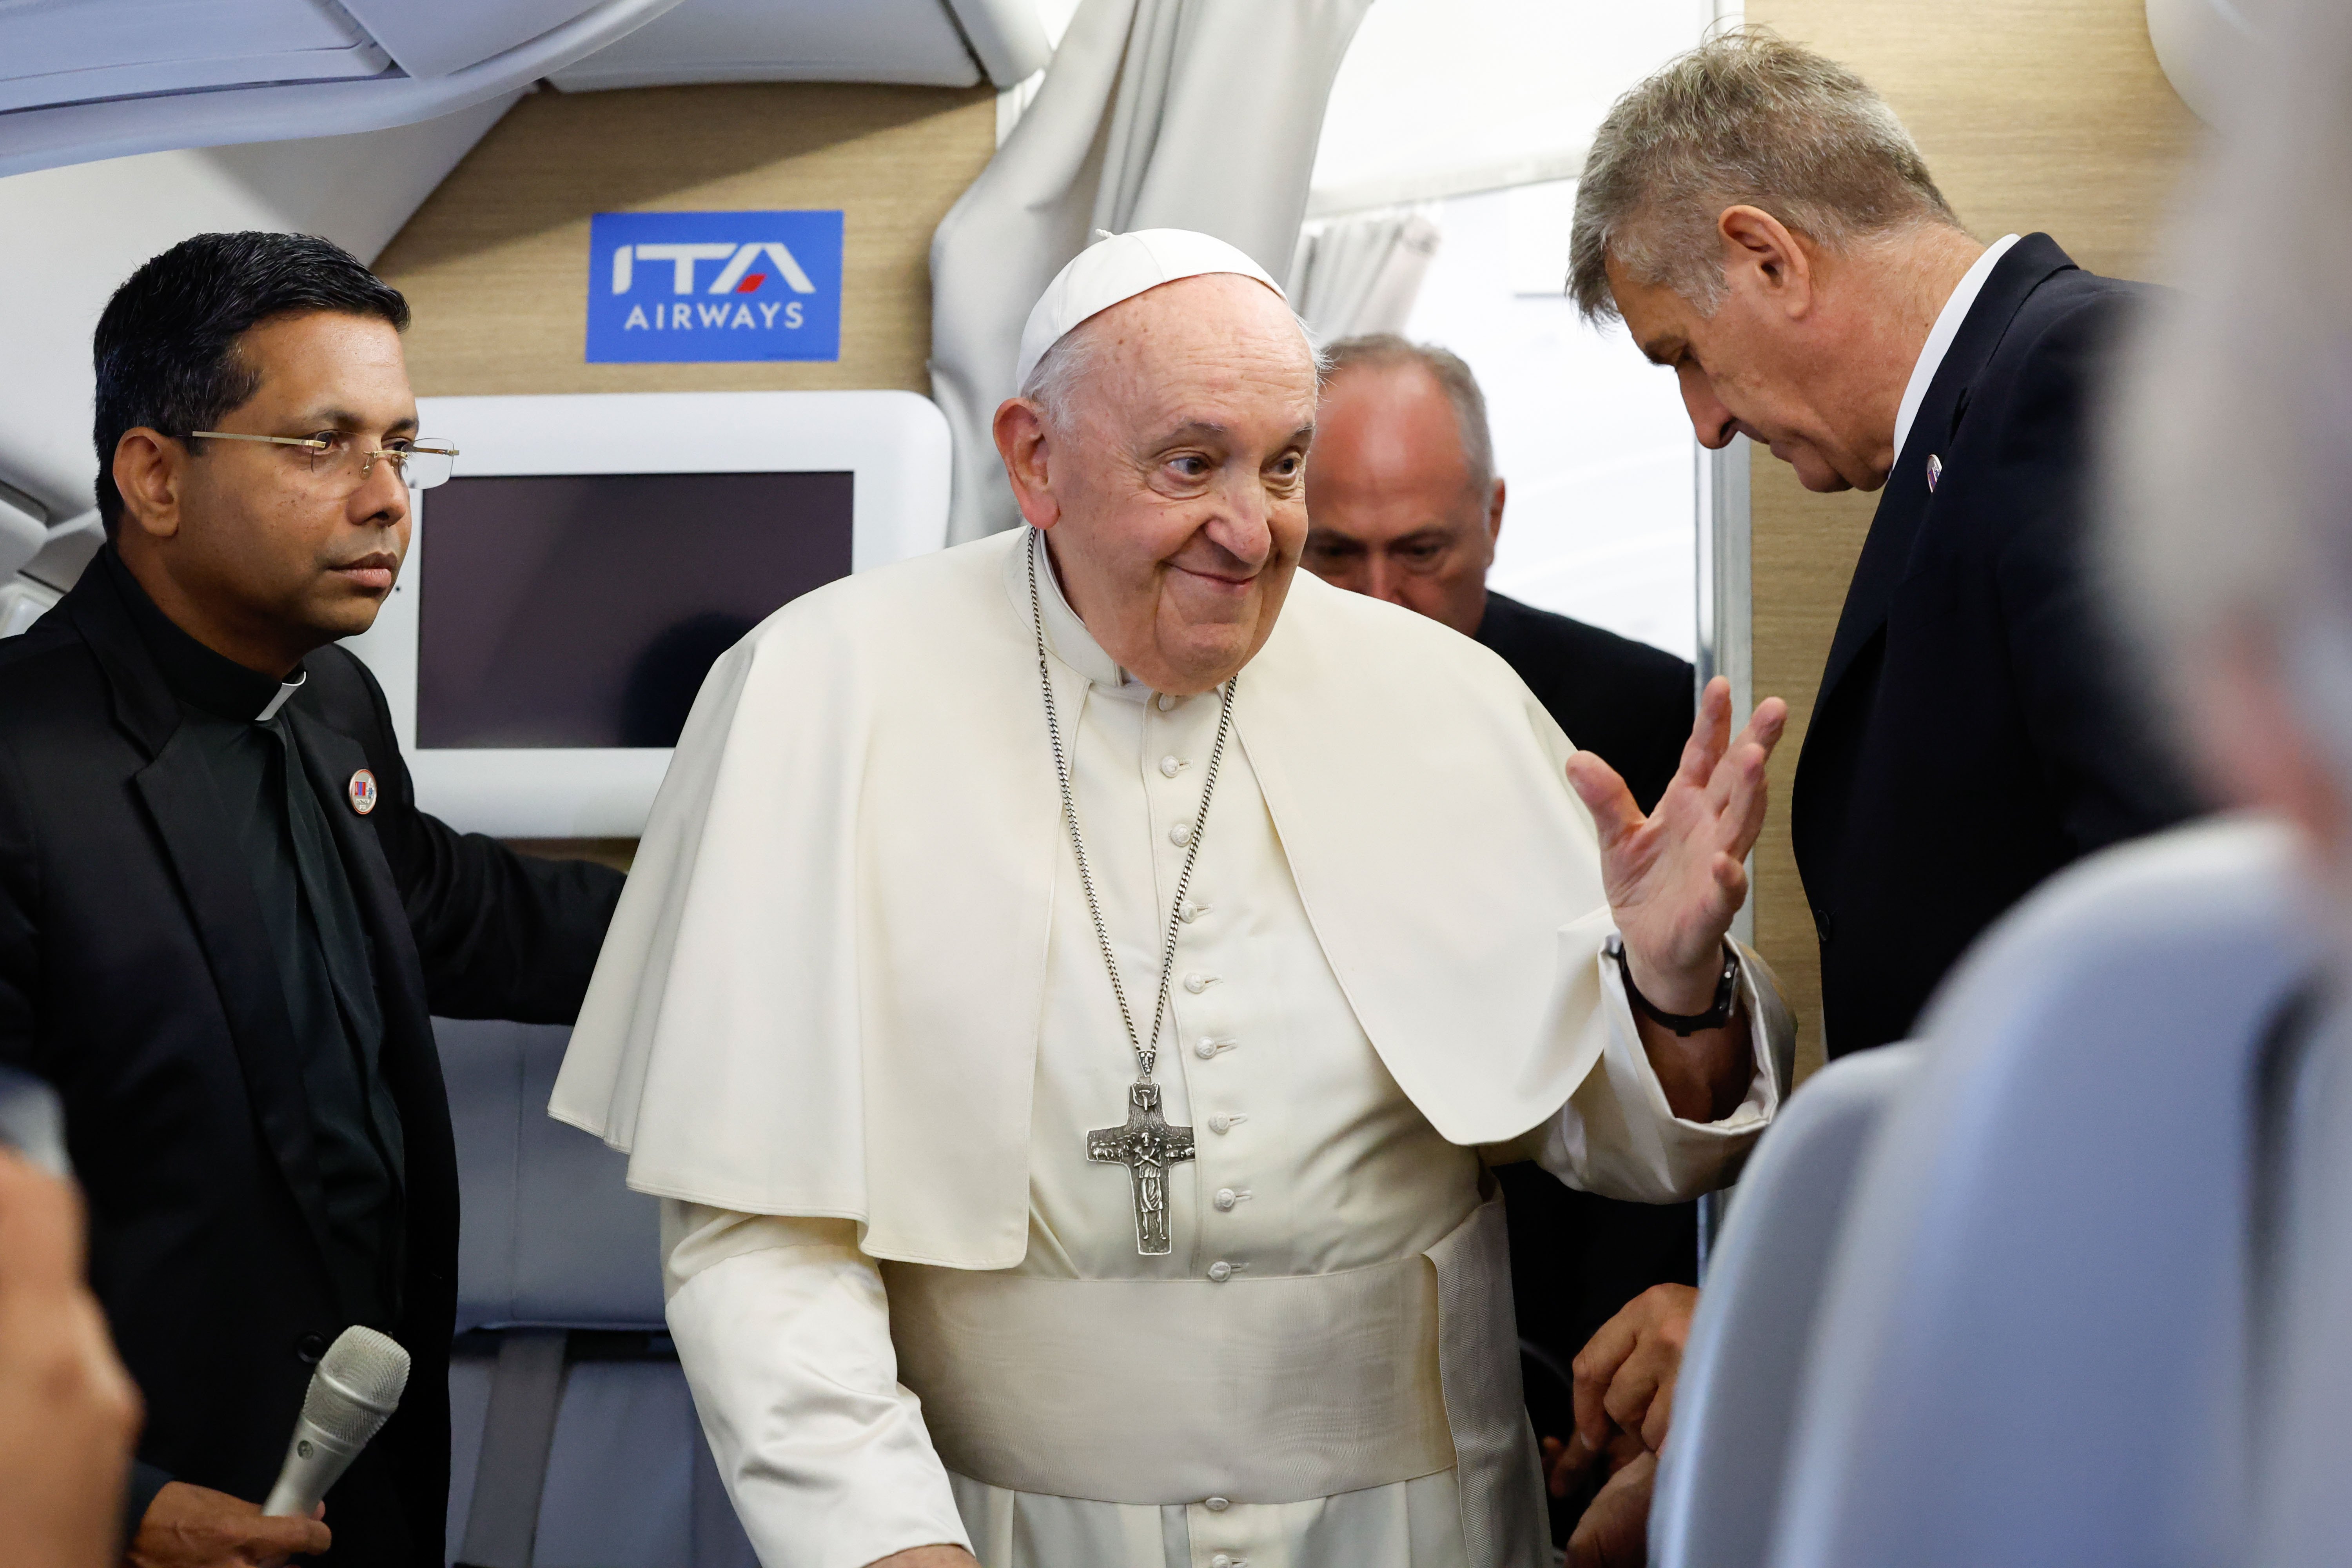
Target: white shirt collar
(1066, 633)
(1940, 338)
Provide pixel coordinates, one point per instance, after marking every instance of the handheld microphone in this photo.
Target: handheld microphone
(33, 1121)
(351, 1395)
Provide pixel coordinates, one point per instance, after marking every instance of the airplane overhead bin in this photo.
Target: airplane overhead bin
(2208, 48)
(927, 42)
(249, 123)
(103, 79)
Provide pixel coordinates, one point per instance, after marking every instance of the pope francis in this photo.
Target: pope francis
(1070, 983)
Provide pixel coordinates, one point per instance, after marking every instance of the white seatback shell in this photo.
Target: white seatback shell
(1735, 1401)
(2031, 1348)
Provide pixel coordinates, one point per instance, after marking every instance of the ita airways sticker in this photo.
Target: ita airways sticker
(362, 792)
(678, 287)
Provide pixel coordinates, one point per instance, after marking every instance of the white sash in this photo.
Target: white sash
(1257, 1391)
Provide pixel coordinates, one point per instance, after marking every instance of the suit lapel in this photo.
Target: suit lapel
(190, 817)
(1886, 553)
(142, 703)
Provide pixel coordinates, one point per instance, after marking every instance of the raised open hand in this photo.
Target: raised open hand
(1676, 877)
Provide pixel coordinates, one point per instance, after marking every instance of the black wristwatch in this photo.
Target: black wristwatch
(1727, 995)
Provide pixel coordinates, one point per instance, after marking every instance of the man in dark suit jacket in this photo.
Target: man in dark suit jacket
(1404, 504)
(1975, 729)
(1971, 685)
(224, 924)
(1765, 227)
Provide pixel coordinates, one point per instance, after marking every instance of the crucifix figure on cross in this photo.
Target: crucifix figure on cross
(1146, 1146)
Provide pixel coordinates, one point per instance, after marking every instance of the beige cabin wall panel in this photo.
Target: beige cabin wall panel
(2033, 114)
(496, 261)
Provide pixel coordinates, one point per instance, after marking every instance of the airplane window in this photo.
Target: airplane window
(1476, 119)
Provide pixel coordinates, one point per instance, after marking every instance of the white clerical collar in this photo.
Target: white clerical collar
(286, 690)
(1065, 634)
(1939, 338)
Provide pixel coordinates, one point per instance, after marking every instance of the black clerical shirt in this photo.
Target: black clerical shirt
(312, 920)
(1625, 702)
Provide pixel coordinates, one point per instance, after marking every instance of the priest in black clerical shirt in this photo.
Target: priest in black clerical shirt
(1404, 503)
(237, 719)
(225, 925)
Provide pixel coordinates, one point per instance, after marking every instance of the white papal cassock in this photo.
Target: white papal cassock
(852, 1021)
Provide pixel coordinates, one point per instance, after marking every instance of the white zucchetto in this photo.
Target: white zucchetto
(1119, 266)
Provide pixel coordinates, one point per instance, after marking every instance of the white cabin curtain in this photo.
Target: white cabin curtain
(1199, 114)
(1361, 273)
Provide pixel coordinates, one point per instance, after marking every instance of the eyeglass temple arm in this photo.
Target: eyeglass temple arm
(316, 445)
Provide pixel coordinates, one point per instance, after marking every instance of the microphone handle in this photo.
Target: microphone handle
(314, 1462)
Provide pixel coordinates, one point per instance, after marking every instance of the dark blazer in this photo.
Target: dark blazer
(135, 975)
(1977, 727)
(1628, 703)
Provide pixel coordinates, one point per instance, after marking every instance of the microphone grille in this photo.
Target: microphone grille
(357, 1386)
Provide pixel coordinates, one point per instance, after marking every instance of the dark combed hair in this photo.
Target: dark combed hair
(166, 347)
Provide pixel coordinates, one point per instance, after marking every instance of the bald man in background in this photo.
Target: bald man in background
(1404, 503)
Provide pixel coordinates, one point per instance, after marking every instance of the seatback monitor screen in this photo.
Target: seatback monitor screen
(583, 610)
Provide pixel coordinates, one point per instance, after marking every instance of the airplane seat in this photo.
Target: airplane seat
(1735, 1399)
(2032, 1343)
(575, 1443)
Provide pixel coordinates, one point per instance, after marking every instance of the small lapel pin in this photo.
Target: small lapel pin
(1934, 471)
(362, 792)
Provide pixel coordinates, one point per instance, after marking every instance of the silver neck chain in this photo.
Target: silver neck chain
(1147, 1057)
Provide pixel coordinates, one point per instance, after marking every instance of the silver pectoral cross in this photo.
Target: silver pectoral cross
(1146, 1146)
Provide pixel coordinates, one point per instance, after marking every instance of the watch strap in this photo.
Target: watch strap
(1727, 995)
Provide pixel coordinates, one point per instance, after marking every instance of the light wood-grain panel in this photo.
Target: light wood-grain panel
(496, 261)
(2033, 114)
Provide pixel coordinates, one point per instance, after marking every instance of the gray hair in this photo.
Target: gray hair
(2229, 484)
(1386, 351)
(1054, 380)
(1747, 119)
(1062, 370)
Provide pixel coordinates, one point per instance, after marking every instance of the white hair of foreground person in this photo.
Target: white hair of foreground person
(2228, 535)
(2228, 523)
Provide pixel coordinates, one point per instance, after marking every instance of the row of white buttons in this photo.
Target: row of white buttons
(1206, 1048)
(1182, 835)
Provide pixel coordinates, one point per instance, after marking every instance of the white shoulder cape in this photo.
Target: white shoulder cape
(821, 993)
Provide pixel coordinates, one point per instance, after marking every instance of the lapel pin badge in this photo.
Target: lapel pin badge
(362, 792)
(1934, 471)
